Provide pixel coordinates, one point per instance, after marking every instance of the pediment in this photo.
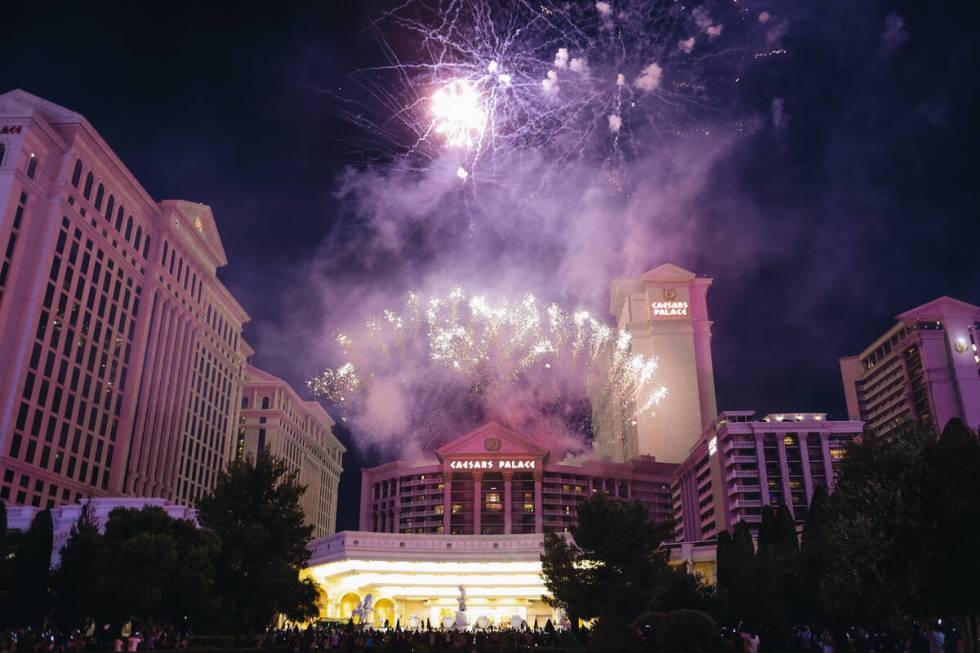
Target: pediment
(667, 271)
(491, 439)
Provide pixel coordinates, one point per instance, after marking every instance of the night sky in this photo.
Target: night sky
(861, 203)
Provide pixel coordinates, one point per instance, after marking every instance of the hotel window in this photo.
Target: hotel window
(87, 190)
(139, 238)
(98, 197)
(31, 164)
(3, 150)
(110, 205)
(119, 217)
(129, 227)
(76, 175)
(146, 247)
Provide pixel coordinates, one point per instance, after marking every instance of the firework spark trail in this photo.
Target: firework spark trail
(486, 81)
(512, 360)
(553, 142)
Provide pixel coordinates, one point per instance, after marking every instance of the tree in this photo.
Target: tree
(31, 571)
(76, 580)
(255, 512)
(951, 521)
(876, 558)
(677, 588)
(154, 567)
(612, 561)
(812, 561)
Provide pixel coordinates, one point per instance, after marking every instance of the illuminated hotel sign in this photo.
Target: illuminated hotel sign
(492, 464)
(669, 309)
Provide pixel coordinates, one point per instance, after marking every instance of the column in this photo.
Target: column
(477, 501)
(803, 441)
(828, 462)
(761, 465)
(784, 472)
(508, 478)
(538, 514)
(447, 502)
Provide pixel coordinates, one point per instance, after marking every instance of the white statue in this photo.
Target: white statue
(363, 610)
(461, 599)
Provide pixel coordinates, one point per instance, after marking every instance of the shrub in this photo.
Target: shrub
(613, 633)
(687, 631)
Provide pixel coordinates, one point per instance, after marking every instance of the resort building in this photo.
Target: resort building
(495, 481)
(926, 367)
(742, 463)
(123, 364)
(665, 311)
(275, 420)
(474, 516)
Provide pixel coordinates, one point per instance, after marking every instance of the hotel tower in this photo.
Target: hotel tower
(924, 368)
(122, 364)
(666, 312)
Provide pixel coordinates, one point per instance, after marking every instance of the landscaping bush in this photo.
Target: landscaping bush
(613, 633)
(687, 631)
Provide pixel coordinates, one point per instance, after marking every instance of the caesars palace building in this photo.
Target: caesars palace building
(474, 515)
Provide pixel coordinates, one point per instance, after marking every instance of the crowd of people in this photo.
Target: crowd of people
(126, 638)
(921, 637)
(346, 638)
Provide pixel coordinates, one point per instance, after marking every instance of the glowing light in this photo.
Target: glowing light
(462, 173)
(458, 114)
(490, 350)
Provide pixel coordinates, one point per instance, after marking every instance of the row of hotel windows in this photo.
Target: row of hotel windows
(17, 493)
(32, 161)
(8, 254)
(126, 229)
(87, 383)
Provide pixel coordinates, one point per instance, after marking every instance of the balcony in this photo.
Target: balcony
(746, 503)
(741, 473)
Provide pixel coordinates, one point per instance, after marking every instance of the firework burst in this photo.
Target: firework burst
(516, 361)
(484, 81)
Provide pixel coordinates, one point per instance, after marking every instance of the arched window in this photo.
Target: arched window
(119, 217)
(139, 238)
(163, 259)
(146, 248)
(172, 261)
(76, 176)
(87, 190)
(98, 197)
(109, 206)
(31, 165)
(265, 402)
(129, 227)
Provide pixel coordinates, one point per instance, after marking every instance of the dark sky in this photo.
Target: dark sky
(864, 205)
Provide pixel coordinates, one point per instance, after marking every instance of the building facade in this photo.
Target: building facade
(123, 362)
(925, 368)
(275, 420)
(495, 481)
(666, 312)
(474, 515)
(742, 463)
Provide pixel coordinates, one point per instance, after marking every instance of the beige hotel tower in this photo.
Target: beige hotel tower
(666, 312)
